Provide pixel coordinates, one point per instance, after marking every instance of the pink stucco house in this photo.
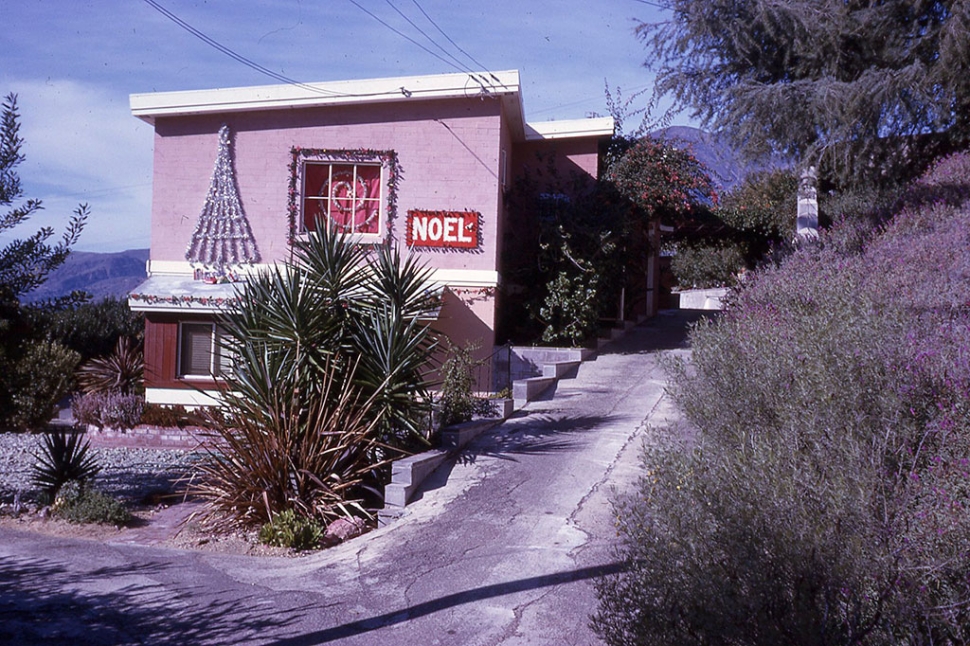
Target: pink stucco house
(423, 162)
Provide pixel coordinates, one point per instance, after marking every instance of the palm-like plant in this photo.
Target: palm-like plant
(287, 450)
(327, 381)
(282, 310)
(119, 372)
(63, 458)
(395, 354)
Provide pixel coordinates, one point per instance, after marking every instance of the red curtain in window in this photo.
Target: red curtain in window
(349, 193)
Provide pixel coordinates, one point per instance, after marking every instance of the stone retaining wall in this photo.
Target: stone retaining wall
(148, 437)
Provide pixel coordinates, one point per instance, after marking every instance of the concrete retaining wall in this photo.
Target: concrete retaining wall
(702, 299)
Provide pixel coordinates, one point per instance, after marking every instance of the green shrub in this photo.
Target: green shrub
(707, 265)
(286, 529)
(78, 503)
(570, 309)
(176, 416)
(109, 410)
(89, 328)
(42, 377)
(457, 402)
(63, 458)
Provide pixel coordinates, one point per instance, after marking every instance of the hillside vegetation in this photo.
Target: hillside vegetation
(823, 495)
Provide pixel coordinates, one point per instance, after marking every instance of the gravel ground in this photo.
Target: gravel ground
(133, 474)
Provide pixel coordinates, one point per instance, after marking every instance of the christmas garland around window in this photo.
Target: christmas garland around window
(387, 158)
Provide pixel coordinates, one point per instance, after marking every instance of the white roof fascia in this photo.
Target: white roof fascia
(505, 84)
(570, 129)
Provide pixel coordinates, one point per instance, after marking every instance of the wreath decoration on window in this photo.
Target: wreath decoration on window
(387, 158)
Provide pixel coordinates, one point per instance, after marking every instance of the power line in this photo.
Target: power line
(456, 45)
(225, 50)
(430, 39)
(289, 81)
(652, 4)
(414, 42)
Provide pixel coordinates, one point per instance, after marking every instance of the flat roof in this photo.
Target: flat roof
(567, 128)
(503, 85)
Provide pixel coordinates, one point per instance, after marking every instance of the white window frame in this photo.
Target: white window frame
(381, 200)
(218, 357)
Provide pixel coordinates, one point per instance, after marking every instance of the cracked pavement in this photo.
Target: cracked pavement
(502, 548)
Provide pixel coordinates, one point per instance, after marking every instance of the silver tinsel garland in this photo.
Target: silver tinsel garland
(222, 237)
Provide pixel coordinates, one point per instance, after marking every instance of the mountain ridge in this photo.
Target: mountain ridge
(101, 275)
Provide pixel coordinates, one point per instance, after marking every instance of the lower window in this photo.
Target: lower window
(201, 354)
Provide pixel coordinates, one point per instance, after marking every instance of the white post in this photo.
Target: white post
(806, 224)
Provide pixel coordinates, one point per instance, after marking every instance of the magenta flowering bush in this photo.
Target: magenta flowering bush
(822, 493)
(108, 409)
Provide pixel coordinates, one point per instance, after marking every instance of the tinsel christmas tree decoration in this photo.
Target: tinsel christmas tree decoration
(222, 237)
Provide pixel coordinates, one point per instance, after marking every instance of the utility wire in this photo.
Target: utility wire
(411, 40)
(461, 65)
(653, 4)
(456, 45)
(238, 57)
(289, 81)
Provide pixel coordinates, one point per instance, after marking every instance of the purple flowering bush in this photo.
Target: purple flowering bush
(110, 409)
(819, 491)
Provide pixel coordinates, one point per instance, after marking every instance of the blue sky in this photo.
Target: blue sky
(73, 65)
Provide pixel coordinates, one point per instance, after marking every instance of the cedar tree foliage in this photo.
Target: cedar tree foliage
(24, 265)
(865, 90)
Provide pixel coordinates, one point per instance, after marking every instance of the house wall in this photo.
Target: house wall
(448, 152)
(450, 158)
(569, 159)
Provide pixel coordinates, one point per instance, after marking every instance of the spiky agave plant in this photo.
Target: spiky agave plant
(118, 372)
(286, 442)
(395, 345)
(63, 458)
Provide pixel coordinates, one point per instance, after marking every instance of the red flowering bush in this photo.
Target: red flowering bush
(662, 180)
(822, 496)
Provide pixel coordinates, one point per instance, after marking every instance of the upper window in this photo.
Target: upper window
(201, 354)
(347, 194)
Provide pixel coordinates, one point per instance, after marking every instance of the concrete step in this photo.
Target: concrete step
(525, 390)
(561, 369)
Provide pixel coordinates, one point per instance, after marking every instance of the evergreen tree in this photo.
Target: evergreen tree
(24, 265)
(868, 90)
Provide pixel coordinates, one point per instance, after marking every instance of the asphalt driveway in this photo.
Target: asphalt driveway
(502, 548)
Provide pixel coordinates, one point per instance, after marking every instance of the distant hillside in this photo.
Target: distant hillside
(726, 165)
(99, 274)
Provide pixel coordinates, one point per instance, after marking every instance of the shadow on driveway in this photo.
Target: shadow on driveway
(363, 626)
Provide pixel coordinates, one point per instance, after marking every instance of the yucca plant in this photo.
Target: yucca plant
(119, 372)
(63, 458)
(394, 355)
(396, 348)
(400, 283)
(327, 382)
(334, 262)
(282, 309)
(289, 443)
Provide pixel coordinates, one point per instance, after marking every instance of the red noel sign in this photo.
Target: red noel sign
(443, 229)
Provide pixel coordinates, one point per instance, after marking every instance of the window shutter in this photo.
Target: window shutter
(196, 349)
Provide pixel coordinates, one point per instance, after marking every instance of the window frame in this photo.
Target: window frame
(341, 169)
(390, 172)
(219, 359)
